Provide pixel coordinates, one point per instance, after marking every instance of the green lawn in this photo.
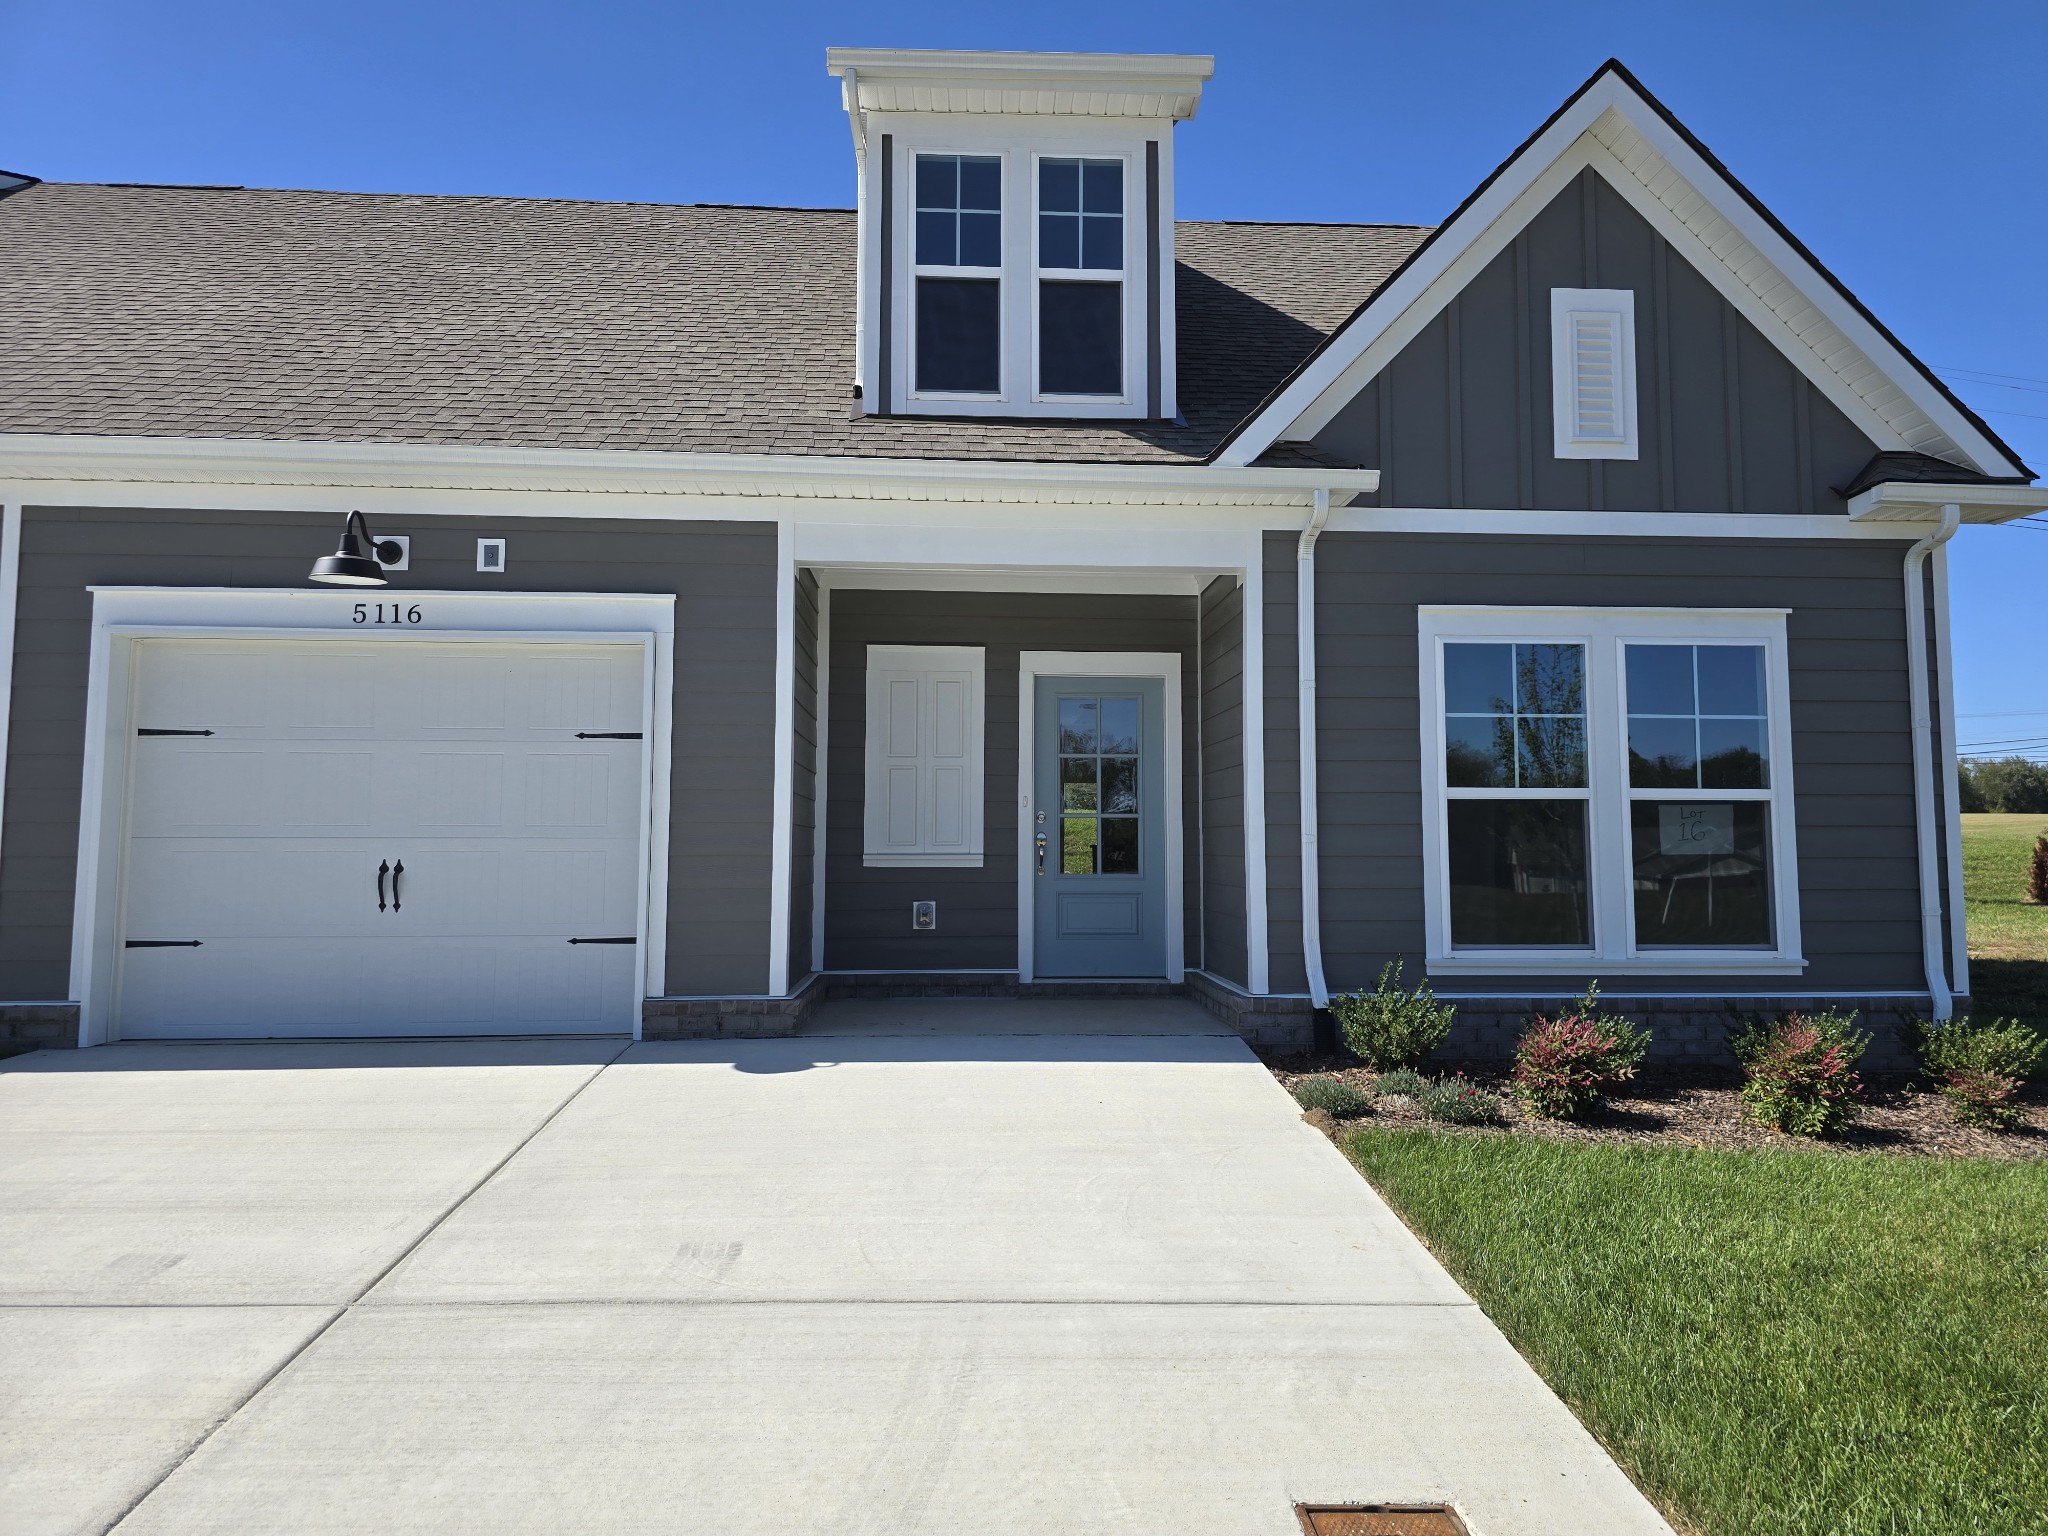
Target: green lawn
(2008, 934)
(1769, 1342)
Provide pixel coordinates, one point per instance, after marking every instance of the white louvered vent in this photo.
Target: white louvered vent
(1593, 372)
(924, 733)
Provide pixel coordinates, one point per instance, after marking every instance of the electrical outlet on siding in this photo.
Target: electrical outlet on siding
(924, 916)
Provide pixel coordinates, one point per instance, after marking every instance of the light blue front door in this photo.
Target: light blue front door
(1099, 829)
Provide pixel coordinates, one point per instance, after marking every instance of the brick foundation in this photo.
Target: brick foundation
(47, 1025)
(1275, 1023)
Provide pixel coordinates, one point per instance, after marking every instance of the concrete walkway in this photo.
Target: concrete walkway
(1014, 1276)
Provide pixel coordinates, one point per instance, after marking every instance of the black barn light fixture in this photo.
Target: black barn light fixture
(348, 566)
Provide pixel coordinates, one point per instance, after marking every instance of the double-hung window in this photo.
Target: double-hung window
(958, 238)
(1080, 277)
(1607, 790)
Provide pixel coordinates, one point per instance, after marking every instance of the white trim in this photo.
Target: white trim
(782, 831)
(1145, 548)
(1605, 633)
(124, 614)
(1164, 665)
(1305, 675)
(54, 460)
(1499, 522)
(1915, 501)
(1252, 711)
(935, 578)
(10, 601)
(821, 789)
(1164, 86)
(1580, 317)
(1613, 129)
(923, 666)
(1945, 755)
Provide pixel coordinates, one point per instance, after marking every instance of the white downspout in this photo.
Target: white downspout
(1931, 927)
(1305, 630)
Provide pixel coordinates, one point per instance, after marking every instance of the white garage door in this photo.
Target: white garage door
(329, 837)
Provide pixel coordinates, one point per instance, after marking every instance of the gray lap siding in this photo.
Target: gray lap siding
(721, 788)
(1851, 742)
(867, 911)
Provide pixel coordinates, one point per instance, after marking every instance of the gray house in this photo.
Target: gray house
(999, 585)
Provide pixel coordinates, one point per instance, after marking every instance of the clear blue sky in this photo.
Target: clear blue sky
(1905, 143)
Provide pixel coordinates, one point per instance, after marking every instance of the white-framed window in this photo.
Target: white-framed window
(925, 707)
(1593, 372)
(956, 312)
(1080, 251)
(1608, 790)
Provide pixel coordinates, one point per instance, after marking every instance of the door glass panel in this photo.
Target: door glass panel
(1077, 845)
(1099, 832)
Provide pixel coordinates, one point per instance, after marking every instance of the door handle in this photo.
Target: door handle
(396, 870)
(383, 869)
(1041, 853)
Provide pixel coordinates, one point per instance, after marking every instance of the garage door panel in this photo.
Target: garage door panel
(329, 759)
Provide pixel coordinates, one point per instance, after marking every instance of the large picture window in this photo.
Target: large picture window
(1608, 790)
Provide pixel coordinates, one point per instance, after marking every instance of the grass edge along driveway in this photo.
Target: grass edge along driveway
(1766, 1341)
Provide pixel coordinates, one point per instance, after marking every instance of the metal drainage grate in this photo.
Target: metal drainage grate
(1380, 1520)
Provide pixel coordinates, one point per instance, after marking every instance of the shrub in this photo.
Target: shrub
(1977, 1066)
(1983, 1098)
(1801, 1072)
(1403, 1081)
(1393, 1025)
(2037, 872)
(1334, 1097)
(1565, 1067)
(1459, 1102)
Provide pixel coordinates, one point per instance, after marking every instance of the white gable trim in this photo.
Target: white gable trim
(1690, 203)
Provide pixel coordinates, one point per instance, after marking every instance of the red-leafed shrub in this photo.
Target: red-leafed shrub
(1982, 1097)
(1801, 1072)
(1565, 1067)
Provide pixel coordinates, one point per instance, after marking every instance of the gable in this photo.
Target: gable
(1727, 236)
(1462, 415)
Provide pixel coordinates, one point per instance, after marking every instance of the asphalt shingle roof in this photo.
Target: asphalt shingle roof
(351, 317)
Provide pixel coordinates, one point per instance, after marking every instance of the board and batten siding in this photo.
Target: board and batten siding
(1851, 737)
(1462, 416)
(867, 911)
(722, 783)
(1222, 949)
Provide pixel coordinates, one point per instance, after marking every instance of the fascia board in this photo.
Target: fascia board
(1900, 501)
(1712, 184)
(34, 458)
(1167, 86)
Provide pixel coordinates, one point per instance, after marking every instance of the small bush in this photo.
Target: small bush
(1801, 1072)
(1459, 1102)
(1393, 1025)
(1983, 1098)
(1334, 1097)
(1977, 1065)
(2037, 872)
(1402, 1081)
(1565, 1067)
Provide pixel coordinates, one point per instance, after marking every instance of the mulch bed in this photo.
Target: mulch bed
(1698, 1108)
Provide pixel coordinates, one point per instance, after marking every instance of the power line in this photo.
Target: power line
(1987, 373)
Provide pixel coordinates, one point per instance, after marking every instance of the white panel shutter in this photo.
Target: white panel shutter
(1593, 373)
(924, 780)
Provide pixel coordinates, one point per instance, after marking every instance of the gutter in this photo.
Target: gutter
(1928, 834)
(1305, 632)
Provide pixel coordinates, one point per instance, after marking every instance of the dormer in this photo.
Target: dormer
(1015, 250)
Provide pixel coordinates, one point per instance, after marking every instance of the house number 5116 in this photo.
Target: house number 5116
(387, 613)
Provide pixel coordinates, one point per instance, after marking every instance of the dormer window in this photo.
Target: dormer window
(1080, 271)
(1015, 251)
(959, 258)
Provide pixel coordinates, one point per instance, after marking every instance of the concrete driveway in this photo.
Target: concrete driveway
(1030, 1267)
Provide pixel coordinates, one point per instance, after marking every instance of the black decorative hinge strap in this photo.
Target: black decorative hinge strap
(161, 944)
(627, 940)
(607, 735)
(151, 731)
